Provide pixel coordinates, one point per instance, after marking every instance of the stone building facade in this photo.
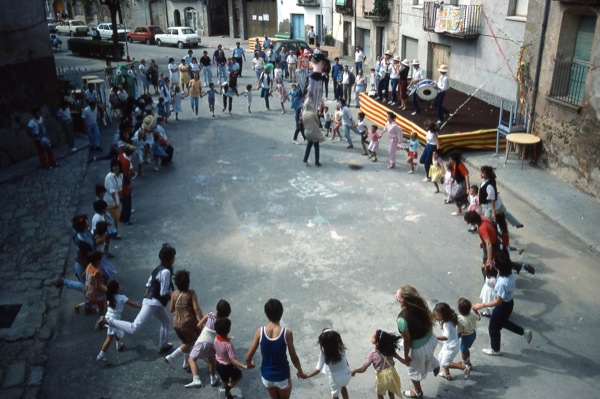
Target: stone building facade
(567, 101)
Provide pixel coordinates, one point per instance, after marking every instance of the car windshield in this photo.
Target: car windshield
(77, 23)
(156, 30)
(187, 31)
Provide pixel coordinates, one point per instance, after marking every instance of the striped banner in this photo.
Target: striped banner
(475, 140)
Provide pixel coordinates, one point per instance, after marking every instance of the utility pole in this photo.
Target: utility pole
(166, 15)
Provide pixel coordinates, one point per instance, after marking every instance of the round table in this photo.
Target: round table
(514, 140)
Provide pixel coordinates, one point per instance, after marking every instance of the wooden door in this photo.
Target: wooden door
(440, 54)
(347, 38)
(261, 19)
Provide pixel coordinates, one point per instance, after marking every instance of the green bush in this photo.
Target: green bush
(94, 48)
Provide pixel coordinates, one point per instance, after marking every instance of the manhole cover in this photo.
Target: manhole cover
(8, 314)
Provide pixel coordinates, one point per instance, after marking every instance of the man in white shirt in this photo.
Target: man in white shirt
(348, 80)
(239, 56)
(292, 61)
(442, 85)
(258, 65)
(384, 76)
(312, 35)
(90, 122)
(359, 58)
(417, 76)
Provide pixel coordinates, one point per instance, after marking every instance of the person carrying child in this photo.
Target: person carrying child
(204, 347)
(116, 301)
(448, 320)
(333, 363)
(382, 357)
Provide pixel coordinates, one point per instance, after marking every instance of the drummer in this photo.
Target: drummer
(417, 76)
(442, 85)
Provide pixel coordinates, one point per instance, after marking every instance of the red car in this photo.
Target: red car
(144, 33)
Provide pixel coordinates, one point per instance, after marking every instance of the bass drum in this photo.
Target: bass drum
(426, 90)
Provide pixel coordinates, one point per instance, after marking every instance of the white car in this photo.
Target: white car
(106, 31)
(181, 36)
(72, 28)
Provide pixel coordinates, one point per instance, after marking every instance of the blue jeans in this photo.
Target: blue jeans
(74, 285)
(358, 66)
(264, 92)
(347, 129)
(499, 320)
(439, 104)
(415, 101)
(394, 90)
(93, 132)
(194, 101)
(222, 74)
(284, 69)
(258, 72)
(359, 89)
(207, 73)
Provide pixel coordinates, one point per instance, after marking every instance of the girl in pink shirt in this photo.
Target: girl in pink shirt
(394, 133)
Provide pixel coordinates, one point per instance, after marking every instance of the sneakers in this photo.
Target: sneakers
(170, 362)
(221, 394)
(166, 348)
(101, 359)
(439, 122)
(196, 383)
(120, 346)
(100, 323)
(467, 371)
(528, 268)
(214, 380)
(491, 352)
(414, 113)
(527, 335)
(426, 179)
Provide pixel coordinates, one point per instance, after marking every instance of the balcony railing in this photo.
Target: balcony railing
(308, 3)
(458, 21)
(568, 83)
(344, 7)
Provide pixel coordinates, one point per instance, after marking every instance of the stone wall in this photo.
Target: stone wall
(27, 65)
(570, 139)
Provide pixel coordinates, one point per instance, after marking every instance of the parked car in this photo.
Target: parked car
(72, 27)
(144, 33)
(52, 24)
(290, 44)
(106, 31)
(181, 36)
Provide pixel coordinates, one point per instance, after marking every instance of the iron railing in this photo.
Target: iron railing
(568, 82)
(344, 7)
(459, 21)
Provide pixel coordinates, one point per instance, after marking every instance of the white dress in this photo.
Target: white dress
(487, 291)
(339, 374)
(450, 348)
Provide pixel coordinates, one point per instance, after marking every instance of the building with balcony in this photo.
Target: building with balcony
(562, 86)
(295, 17)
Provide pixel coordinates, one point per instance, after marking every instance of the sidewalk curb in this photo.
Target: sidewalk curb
(531, 203)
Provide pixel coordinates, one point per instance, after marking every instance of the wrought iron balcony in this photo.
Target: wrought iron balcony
(308, 3)
(344, 7)
(568, 82)
(586, 2)
(459, 21)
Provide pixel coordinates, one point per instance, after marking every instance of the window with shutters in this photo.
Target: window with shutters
(572, 62)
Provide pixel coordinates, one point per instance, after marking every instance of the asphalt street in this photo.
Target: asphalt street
(250, 221)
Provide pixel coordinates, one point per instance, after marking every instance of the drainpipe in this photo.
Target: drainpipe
(538, 67)
(354, 43)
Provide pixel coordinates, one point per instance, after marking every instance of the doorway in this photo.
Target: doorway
(380, 40)
(347, 38)
(319, 26)
(440, 54)
(298, 26)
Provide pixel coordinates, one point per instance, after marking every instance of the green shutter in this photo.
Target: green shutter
(340, 2)
(581, 57)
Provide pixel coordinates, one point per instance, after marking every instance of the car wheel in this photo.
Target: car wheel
(158, 43)
(129, 39)
(180, 44)
(148, 42)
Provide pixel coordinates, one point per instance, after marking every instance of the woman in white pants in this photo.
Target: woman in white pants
(158, 293)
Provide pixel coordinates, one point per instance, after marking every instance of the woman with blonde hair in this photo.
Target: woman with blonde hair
(415, 324)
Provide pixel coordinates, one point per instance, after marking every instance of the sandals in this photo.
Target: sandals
(446, 376)
(412, 394)
(467, 371)
(456, 213)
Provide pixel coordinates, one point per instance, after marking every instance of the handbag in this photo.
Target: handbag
(387, 379)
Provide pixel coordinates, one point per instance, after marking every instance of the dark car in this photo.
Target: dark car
(290, 44)
(144, 33)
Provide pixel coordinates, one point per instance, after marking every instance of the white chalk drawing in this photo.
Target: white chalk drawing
(307, 187)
